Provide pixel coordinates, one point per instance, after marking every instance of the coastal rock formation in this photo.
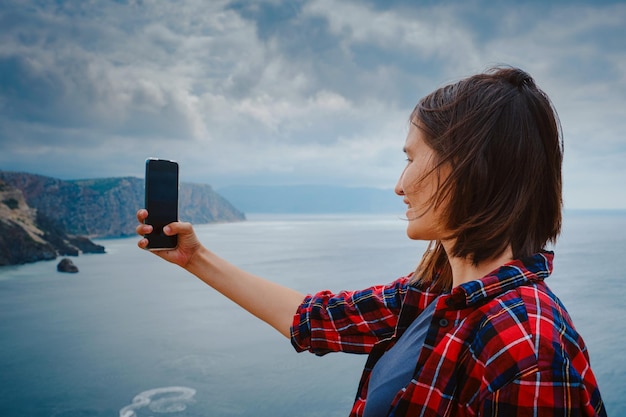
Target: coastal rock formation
(66, 265)
(19, 245)
(27, 235)
(106, 207)
(200, 204)
(42, 217)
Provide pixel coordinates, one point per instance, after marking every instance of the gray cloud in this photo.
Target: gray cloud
(289, 92)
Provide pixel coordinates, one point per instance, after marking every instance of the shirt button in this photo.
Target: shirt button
(443, 322)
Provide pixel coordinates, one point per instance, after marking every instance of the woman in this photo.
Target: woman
(474, 330)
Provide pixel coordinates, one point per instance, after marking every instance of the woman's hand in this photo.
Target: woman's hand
(188, 243)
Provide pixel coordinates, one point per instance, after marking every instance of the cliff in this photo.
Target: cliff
(106, 207)
(27, 235)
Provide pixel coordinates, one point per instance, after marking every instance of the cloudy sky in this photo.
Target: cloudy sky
(293, 92)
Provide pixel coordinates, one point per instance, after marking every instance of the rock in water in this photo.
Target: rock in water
(66, 265)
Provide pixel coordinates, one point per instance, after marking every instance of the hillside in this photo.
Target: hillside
(27, 235)
(106, 207)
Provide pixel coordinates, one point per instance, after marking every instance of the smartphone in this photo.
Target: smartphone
(161, 201)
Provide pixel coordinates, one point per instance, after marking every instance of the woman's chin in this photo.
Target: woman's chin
(415, 232)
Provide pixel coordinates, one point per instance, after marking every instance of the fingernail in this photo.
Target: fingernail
(166, 229)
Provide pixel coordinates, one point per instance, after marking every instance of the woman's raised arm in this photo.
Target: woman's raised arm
(273, 303)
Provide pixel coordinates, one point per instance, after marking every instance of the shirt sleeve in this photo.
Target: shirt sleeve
(350, 321)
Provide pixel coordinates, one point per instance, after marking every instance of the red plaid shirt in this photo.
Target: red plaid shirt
(503, 345)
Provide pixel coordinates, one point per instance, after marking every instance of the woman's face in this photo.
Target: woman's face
(417, 190)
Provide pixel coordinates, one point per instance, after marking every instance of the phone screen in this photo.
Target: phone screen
(161, 201)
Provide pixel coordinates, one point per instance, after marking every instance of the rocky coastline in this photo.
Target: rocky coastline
(28, 235)
(42, 218)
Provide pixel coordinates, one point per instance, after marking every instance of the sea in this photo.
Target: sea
(132, 336)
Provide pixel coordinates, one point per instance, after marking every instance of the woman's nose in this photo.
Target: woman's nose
(399, 189)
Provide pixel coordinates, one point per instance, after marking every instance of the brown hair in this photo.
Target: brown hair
(500, 135)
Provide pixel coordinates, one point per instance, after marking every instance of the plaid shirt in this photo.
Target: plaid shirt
(503, 345)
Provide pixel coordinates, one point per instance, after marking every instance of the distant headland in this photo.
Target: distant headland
(42, 218)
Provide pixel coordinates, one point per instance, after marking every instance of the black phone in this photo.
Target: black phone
(161, 201)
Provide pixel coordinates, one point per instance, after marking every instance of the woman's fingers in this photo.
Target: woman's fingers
(143, 243)
(143, 229)
(178, 228)
(141, 215)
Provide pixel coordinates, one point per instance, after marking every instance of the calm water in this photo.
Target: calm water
(132, 336)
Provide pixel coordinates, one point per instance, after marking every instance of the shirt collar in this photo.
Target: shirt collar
(507, 277)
